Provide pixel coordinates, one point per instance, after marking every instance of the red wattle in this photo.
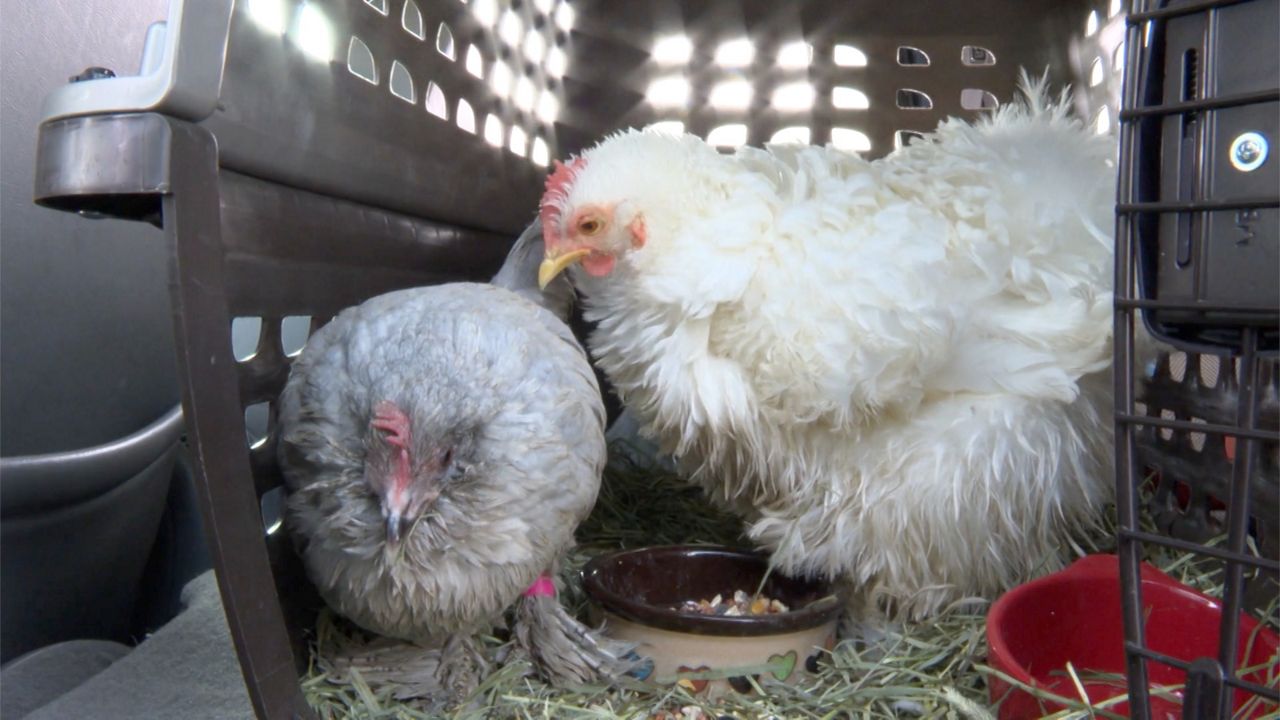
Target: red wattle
(598, 264)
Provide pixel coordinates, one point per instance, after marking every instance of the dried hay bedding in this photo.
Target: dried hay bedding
(930, 669)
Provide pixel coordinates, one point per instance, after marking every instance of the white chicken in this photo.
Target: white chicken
(897, 371)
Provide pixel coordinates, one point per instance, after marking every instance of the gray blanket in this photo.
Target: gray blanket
(187, 669)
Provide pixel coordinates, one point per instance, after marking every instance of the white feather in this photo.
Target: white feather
(895, 369)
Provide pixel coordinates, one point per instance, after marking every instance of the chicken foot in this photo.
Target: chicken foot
(409, 669)
(564, 651)
(462, 665)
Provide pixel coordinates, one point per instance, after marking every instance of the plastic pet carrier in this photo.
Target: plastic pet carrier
(303, 156)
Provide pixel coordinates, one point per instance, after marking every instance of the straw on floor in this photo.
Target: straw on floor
(930, 669)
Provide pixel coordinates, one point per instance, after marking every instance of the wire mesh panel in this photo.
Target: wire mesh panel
(1196, 262)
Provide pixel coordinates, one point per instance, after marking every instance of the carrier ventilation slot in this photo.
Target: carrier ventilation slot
(1188, 168)
(731, 95)
(548, 107)
(271, 504)
(850, 140)
(500, 78)
(796, 55)
(975, 56)
(510, 29)
(1190, 74)
(1102, 121)
(444, 42)
(666, 127)
(903, 138)
(847, 98)
(557, 61)
(914, 100)
(535, 47)
(673, 50)
(735, 53)
(411, 20)
(246, 336)
(912, 57)
(475, 63)
(360, 61)
(257, 420)
(848, 56)
(518, 142)
(793, 97)
(294, 330)
(466, 117)
(978, 99)
(437, 104)
(727, 136)
(797, 134)
(493, 131)
(525, 94)
(540, 154)
(269, 15)
(564, 16)
(401, 83)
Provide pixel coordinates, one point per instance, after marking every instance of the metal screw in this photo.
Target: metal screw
(1248, 151)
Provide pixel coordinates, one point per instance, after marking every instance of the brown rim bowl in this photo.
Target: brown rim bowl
(643, 585)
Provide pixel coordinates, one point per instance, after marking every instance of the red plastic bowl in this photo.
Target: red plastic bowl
(1074, 615)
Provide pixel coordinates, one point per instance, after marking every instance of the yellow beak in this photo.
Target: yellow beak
(553, 266)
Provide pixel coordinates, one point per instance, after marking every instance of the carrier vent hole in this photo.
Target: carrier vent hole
(912, 56)
(360, 61)
(246, 336)
(914, 100)
(294, 330)
(978, 99)
(411, 20)
(401, 83)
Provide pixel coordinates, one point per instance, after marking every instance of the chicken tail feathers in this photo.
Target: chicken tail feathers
(564, 651)
(519, 274)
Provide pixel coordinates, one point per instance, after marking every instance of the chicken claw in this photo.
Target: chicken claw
(462, 666)
(565, 652)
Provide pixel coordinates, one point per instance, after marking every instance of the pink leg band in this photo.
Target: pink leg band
(544, 586)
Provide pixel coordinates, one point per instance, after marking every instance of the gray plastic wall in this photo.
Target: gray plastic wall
(86, 343)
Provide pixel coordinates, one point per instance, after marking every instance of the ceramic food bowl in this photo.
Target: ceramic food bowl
(637, 593)
(1074, 615)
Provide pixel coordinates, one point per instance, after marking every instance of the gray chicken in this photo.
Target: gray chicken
(439, 446)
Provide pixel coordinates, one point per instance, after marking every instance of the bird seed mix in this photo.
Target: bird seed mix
(741, 604)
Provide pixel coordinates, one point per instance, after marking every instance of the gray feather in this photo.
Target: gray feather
(564, 650)
(510, 386)
(519, 274)
(410, 670)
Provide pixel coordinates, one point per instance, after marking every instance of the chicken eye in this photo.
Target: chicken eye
(590, 226)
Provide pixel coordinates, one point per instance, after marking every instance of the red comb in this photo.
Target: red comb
(557, 189)
(558, 182)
